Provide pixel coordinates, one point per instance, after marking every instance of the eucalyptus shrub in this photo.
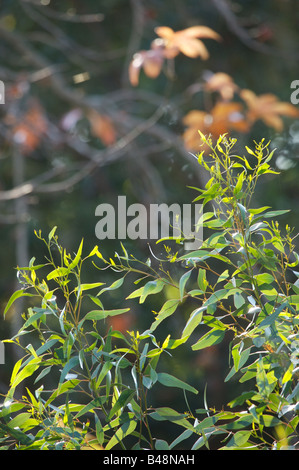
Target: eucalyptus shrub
(104, 377)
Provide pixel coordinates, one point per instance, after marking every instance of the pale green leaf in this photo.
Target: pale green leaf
(102, 314)
(194, 320)
(171, 381)
(183, 281)
(16, 295)
(125, 429)
(211, 338)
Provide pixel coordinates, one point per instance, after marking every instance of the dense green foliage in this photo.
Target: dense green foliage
(106, 380)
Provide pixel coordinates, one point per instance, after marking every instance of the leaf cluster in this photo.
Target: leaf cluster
(105, 377)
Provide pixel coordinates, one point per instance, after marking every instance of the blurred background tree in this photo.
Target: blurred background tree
(86, 120)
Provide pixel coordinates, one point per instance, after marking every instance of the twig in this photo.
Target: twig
(135, 38)
(235, 27)
(69, 17)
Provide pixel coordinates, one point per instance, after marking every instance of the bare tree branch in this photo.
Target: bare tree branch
(69, 17)
(235, 27)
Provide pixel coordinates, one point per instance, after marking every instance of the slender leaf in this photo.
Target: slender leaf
(194, 320)
(102, 314)
(25, 372)
(16, 295)
(125, 429)
(71, 364)
(211, 338)
(171, 381)
(183, 282)
(124, 398)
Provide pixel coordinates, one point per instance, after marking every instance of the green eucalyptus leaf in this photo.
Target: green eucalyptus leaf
(211, 338)
(193, 321)
(160, 444)
(183, 281)
(71, 364)
(16, 295)
(98, 315)
(123, 399)
(171, 381)
(124, 430)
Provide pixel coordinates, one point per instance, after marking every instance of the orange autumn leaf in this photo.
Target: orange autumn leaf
(167, 46)
(223, 118)
(186, 41)
(228, 116)
(194, 121)
(151, 61)
(268, 108)
(102, 127)
(28, 133)
(223, 84)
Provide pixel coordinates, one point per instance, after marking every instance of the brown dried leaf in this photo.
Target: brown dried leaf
(268, 108)
(228, 116)
(186, 41)
(28, 133)
(223, 118)
(102, 127)
(151, 61)
(223, 84)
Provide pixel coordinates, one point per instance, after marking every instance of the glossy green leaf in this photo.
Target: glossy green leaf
(239, 183)
(20, 374)
(16, 295)
(182, 437)
(193, 321)
(72, 363)
(84, 287)
(77, 258)
(171, 381)
(160, 444)
(264, 382)
(115, 285)
(264, 278)
(125, 430)
(58, 272)
(271, 214)
(269, 421)
(183, 281)
(168, 414)
(99, 430)
(98, 315)
(238, 440)
(168, 308)
(124, 398)
(151, 287)
(52, 233)
(211, 338)
(202, 279)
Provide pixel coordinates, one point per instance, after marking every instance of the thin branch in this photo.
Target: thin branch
(235, 27)
(138, 15)
(69, 17)
(28, 187)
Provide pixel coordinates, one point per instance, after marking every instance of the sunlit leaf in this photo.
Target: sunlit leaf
(268, 108)
(171, 381)
(186, 41)
(211, 338)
